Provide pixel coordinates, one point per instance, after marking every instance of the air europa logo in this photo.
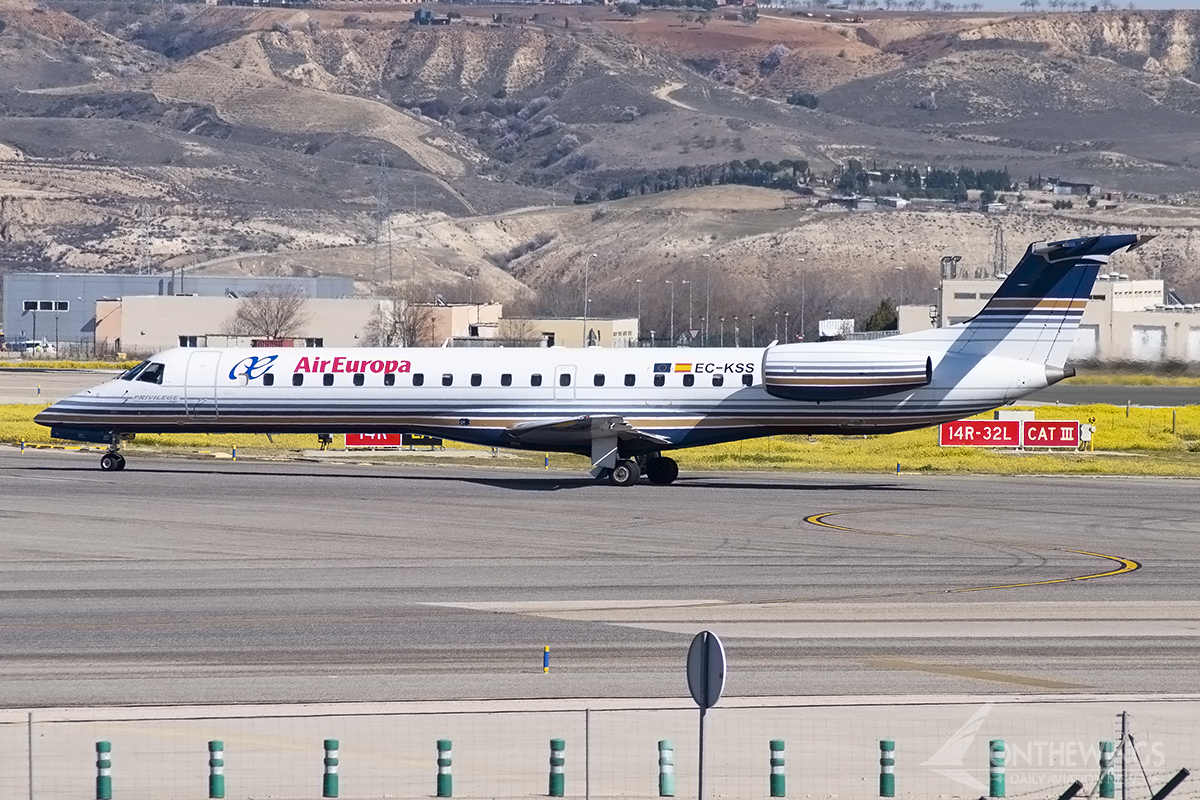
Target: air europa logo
(253, 367)
(343, 364)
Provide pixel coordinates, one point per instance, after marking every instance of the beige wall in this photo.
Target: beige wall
(146, 325)
(455, 321)
(571, 332)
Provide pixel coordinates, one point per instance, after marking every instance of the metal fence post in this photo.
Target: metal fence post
(887, 768)
(996, 769)
(103, 771)
(329, 786)
(216, 769)
(666, 769)
(445, 780)
(558, 778)
(778, 778)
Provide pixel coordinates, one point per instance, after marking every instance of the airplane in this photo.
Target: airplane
(623, 408)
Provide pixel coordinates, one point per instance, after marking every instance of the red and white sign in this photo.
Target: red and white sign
(1050, 433)
(980, 433)
(375, 440)
(1009, 433)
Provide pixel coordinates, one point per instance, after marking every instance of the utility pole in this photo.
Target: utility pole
(639, 288)
(586, 267)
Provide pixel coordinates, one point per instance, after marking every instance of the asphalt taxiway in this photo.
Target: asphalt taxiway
(196, 582)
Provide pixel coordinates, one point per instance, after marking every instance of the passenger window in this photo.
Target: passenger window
(476, 379)
(630, 379)
(298, 379)
(747, 380)
(447, 379)
(689, 380)
(418, 379)
(506, 379)
(152, 374)
(598, 379)
(660, 380)
(359, 379)
(268, 379)
(564, 379)
(535, 380)
(389, 379)
(718, 380)
(327, 379)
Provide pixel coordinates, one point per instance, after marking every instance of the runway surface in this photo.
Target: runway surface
(193, 582)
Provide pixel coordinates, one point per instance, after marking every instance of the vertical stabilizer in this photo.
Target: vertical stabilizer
(1036, 311)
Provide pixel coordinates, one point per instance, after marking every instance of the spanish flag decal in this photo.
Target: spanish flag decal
(683, 367)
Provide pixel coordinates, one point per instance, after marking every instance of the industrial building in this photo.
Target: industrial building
(1125, 320)
(60, 308)
(140, 326)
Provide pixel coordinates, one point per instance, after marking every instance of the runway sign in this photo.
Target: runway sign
(980, 433)
(1009, 433)
(372, 440)
(1050, 433)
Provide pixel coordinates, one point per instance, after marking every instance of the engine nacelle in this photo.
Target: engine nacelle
(840, 372)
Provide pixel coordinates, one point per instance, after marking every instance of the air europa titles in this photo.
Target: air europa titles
(348, 365)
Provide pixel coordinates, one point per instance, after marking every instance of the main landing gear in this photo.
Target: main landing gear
(660, 471)
(112, 460)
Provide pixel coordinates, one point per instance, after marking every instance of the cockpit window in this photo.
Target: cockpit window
(132, 372)
(152, 373)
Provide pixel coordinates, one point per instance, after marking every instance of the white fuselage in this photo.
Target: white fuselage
(681, 396)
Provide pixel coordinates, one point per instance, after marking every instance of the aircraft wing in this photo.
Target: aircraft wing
(581, 431)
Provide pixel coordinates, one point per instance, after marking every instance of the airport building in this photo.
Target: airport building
(140, 326)
(60, 308)
(1125, 320)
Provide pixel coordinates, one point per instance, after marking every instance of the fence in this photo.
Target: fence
(500, 750)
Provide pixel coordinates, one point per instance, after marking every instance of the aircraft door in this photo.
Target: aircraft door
(564, 383)
(200, 388)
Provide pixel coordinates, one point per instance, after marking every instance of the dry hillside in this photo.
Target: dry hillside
(155, 136)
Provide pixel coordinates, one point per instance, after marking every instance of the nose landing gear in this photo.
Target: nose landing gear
(112, 460)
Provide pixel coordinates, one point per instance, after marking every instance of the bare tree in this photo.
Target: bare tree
(276, 312)
(518, 332)
(398, 323)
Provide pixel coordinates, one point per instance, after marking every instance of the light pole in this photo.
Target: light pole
(672, 285)
(802, 299)
(56, 315)
(639, 288)
(777, 325)
(752, 336)
(586, 266)
(786, 336)
(689, 285)
(707, 295)
(722, 331)
(737, 339)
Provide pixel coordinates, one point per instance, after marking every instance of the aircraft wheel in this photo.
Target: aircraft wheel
(120, 462)
(662, 470)
(625, 473)
(111, 462)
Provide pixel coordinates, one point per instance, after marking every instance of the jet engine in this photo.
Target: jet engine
(834, 371)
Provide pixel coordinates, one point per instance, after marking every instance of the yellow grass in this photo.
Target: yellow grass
(1140, 444)
(121, 365)
(1132, 379)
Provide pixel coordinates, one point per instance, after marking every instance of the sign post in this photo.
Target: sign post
(706, 681)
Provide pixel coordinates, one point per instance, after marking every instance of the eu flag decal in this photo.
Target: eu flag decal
(662, 367)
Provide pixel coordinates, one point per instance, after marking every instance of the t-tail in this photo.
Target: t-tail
(1035, 313)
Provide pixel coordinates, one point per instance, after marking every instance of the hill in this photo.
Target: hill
(150, 136)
